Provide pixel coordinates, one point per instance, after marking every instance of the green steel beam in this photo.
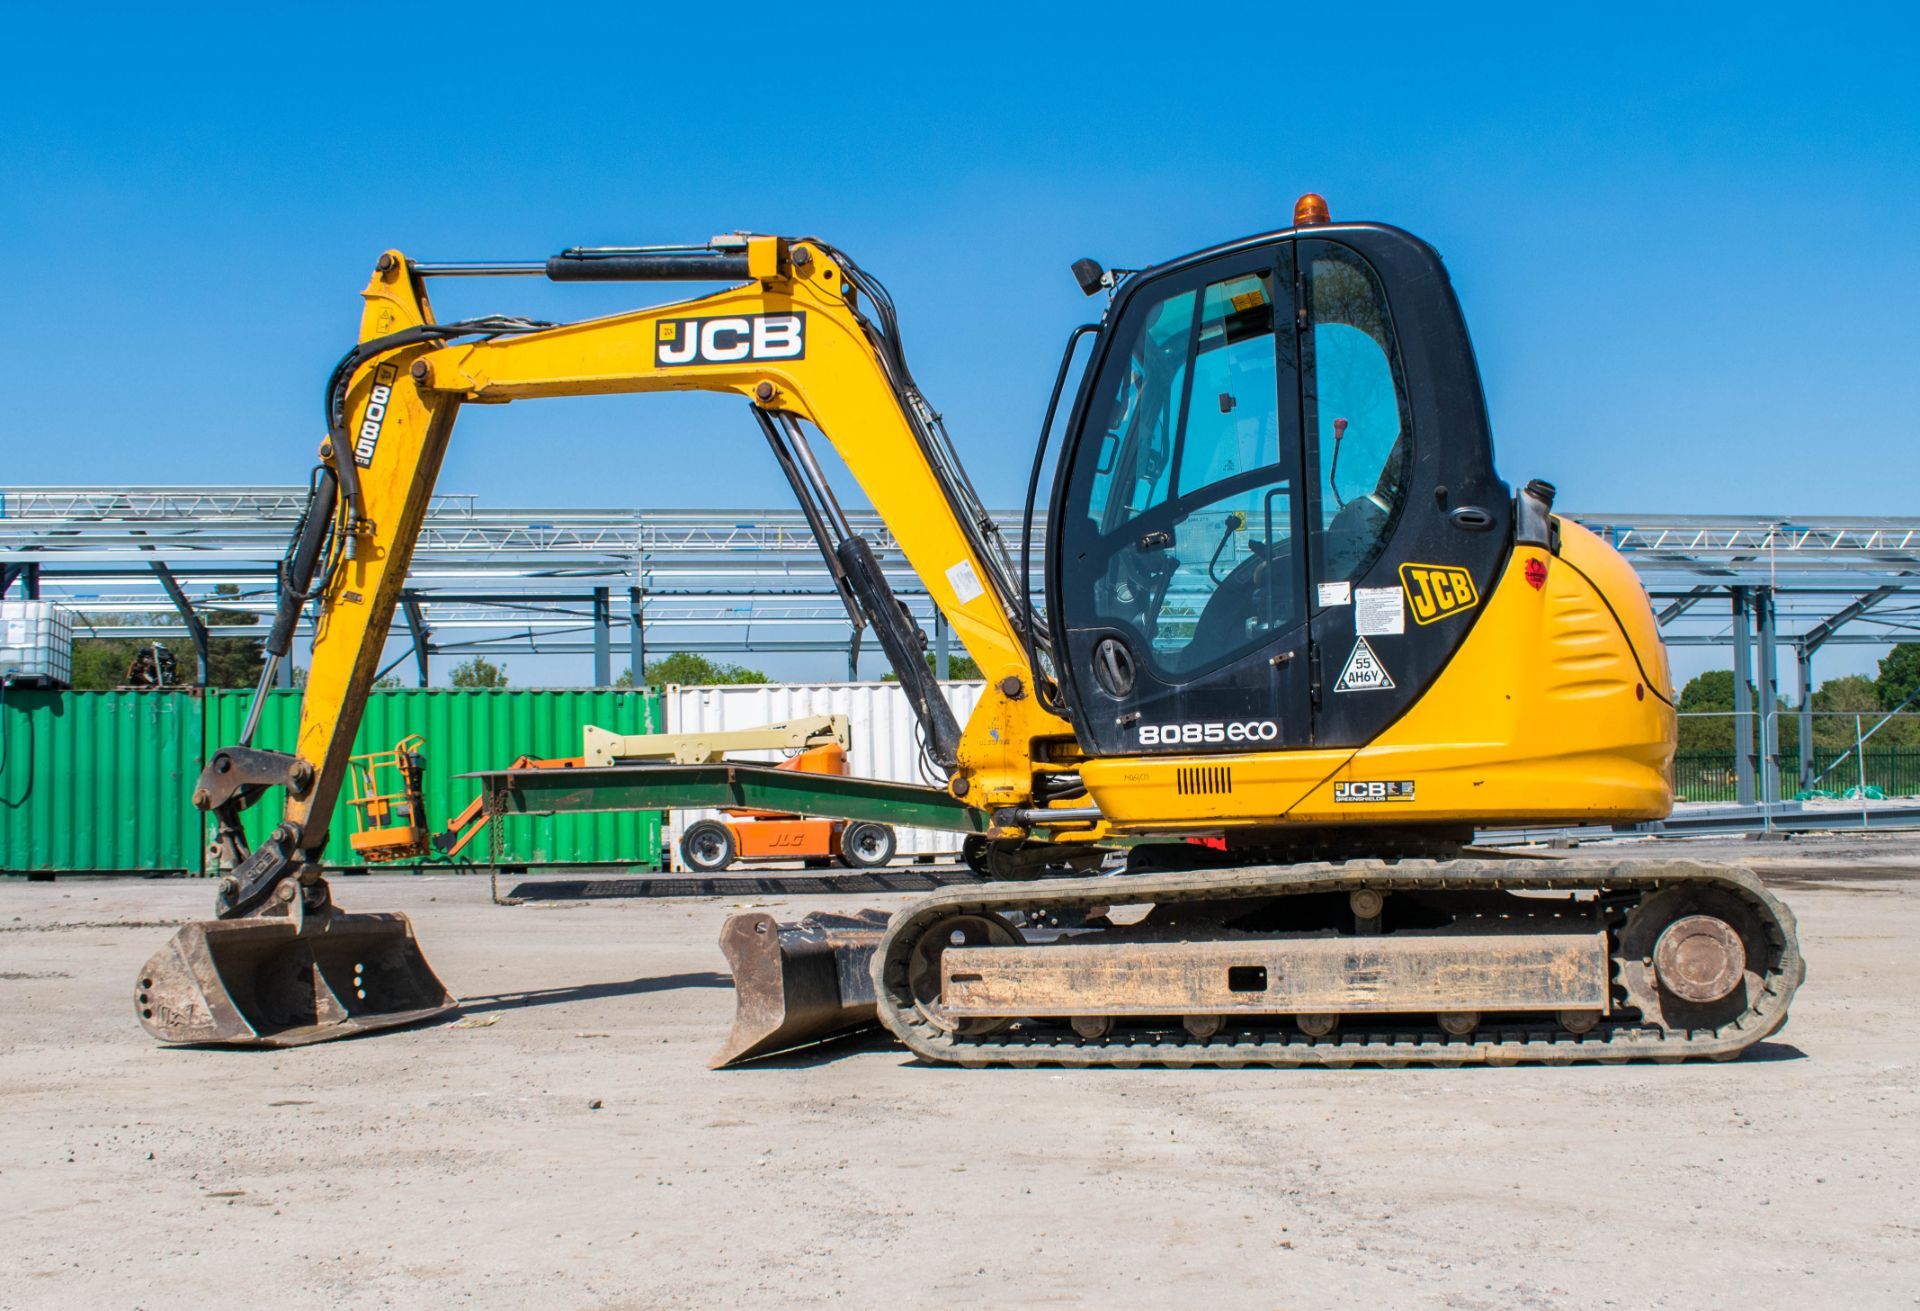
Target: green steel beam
(722, 786)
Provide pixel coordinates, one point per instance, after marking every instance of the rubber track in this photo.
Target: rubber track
(1545, 1042)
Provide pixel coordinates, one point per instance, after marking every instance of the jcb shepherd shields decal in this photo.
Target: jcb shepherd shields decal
(1435, 591)
(730, 340)
(371, 422)
(1373, 790)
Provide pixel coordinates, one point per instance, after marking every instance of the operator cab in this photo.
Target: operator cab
(1276, 511)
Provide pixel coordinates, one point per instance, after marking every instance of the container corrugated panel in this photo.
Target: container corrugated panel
(100, 780)
(467, 729)
(886, 736)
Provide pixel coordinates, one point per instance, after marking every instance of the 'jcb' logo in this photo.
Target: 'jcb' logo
(730, 340)
(1438, 590)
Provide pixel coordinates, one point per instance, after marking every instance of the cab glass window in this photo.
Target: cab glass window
(1137, 447)
(1356, 400)
(1186, 520)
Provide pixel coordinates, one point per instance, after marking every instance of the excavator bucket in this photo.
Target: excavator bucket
(270, 982)
(795, 984)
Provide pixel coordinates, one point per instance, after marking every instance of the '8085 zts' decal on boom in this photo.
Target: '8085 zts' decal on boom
(367, 440)
(730, 339)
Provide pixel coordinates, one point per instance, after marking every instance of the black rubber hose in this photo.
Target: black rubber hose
(342, 378)
(1040, 687)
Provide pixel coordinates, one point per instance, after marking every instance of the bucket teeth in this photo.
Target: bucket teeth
(797, 983)
(267, 982)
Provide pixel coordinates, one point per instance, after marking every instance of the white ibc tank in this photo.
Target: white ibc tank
(36, 643)
(886, 736)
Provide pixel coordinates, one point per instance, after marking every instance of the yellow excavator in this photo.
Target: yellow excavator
(1298, 642)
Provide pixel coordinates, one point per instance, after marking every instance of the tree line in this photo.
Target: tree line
(1835, 703)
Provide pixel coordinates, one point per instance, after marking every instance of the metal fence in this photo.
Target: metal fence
(1714, 775)
(1752, 757)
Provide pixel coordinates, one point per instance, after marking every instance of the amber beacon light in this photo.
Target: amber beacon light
(1310, 210)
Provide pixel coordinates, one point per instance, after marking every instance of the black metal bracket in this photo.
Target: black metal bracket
(237, 776)
(233, 781)
(254, 879)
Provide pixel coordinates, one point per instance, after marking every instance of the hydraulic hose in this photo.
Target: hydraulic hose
(1042, 687)
(338, 382)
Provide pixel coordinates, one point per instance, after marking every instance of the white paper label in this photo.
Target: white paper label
(1332, 594)
(1378, 611)
(966, 583)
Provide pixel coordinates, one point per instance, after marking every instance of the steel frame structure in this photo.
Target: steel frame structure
(153, 562)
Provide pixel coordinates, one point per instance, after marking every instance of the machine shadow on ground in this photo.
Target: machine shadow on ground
(515, 1001)
(858, 1042)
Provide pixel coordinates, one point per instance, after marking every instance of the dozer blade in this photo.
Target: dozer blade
(268, 982)
(797, 983)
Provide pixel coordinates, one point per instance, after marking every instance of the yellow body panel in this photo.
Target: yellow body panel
(1547, 713)
(357, 608)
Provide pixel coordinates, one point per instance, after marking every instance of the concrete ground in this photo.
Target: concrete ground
(469, 1166)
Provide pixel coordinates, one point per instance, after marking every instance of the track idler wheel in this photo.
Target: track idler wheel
(1691, 958)
(923, 968)
(1699, 958)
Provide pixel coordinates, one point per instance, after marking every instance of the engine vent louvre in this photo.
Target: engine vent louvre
(1203, 780)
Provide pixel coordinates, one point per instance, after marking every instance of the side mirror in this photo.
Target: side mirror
(1089, 274)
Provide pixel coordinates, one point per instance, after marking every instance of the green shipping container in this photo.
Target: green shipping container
(467, 729)
(100, 780)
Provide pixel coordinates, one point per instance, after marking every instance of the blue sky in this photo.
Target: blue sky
(1685, 239)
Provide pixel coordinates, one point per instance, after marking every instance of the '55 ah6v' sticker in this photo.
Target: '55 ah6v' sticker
(730, 340)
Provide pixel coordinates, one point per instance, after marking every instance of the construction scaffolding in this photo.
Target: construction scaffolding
(152, 562)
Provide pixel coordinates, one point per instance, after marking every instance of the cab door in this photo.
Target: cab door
(1178, 565)
(1409, 525)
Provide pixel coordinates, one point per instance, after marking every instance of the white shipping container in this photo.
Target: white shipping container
(36, 643)
(885, 745)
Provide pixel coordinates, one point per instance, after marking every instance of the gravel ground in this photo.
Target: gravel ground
(573, 1151)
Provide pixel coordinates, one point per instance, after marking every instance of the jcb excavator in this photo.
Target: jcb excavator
(1290, 607)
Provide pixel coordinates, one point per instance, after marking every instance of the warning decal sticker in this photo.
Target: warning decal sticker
(965, 582)
(1364, 672)
(1379, 611)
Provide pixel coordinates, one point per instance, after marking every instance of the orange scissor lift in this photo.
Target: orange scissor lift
(714, 844)
(389, 816)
